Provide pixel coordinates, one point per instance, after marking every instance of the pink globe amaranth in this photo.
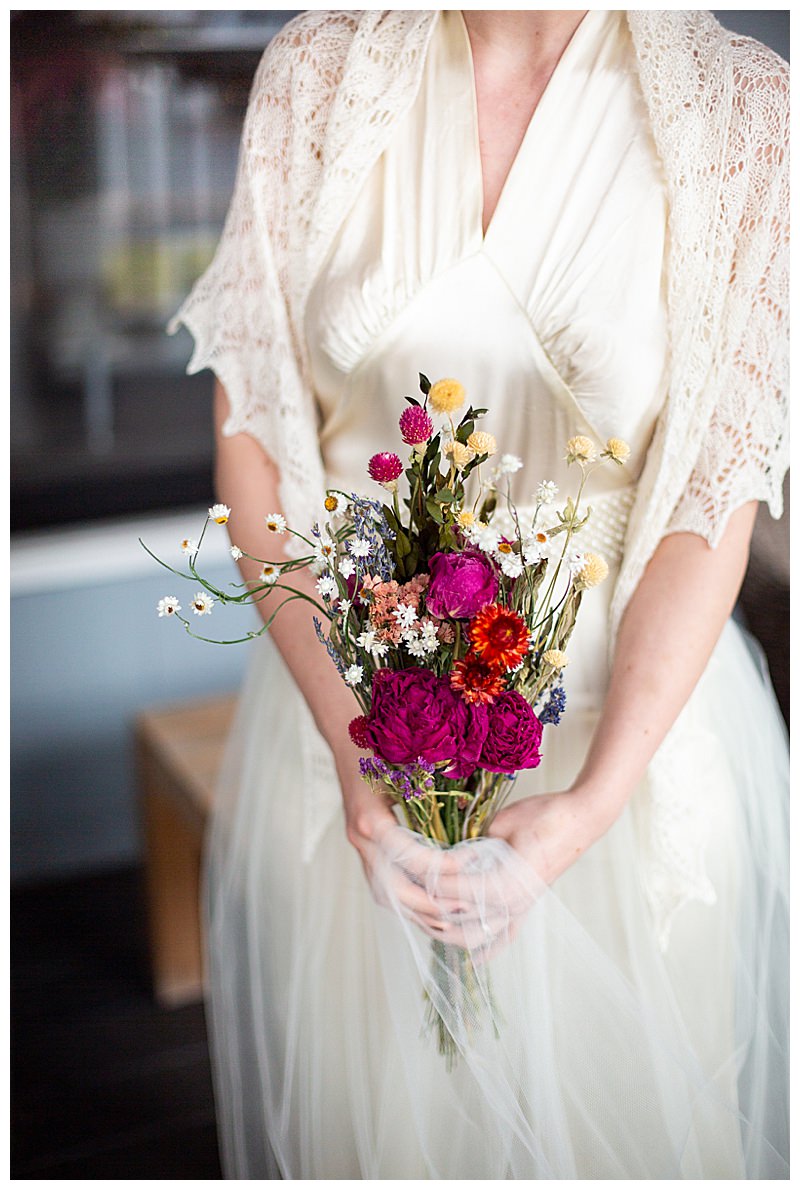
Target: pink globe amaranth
(461, 584)
(514, 735)
(416, 425)
(385, 467)
(417, 714)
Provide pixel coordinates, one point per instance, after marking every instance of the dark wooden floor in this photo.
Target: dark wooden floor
(104, 1083)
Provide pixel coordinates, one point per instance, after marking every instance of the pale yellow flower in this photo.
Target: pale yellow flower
(581, 449)
(461, 455)
(593, 571)
(446, 396)
(555, 658)
(617, 450)
(482, 443)
(466, 518)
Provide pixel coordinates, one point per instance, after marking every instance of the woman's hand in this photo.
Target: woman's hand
(400, 870)
(551, 831)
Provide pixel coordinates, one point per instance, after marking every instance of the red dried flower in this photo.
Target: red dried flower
(357, 728)
(475, 681)
(499, 636)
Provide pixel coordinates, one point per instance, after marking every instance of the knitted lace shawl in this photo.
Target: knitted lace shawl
(330, 89)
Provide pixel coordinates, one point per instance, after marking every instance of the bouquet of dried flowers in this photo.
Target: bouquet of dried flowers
(447, 612)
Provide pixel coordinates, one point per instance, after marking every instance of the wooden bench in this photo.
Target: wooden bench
(178, 754)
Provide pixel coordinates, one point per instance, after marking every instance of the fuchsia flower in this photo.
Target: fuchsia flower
(461, 584)
(417, 714)
(416, 425)
(514, 735)
(385, 468)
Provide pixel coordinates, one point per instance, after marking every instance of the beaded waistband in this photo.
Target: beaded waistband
(604, 532)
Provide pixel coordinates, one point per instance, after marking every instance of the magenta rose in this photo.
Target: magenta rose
(514, 735)
(417, 714)
(461, 584)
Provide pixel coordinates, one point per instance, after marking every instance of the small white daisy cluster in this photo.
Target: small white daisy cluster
(546, 492)
(421, 640)
(368, 641)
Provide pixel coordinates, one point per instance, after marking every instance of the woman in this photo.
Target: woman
(488, 195)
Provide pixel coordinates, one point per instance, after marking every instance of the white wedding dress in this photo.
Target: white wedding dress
(640, 1009)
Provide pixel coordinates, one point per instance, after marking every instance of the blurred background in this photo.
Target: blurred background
(124, 141)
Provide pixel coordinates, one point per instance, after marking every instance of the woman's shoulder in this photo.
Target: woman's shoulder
(311, 46)
(760, 76)
(315, 53)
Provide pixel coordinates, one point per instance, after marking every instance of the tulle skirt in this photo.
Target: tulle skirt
(593, 1045)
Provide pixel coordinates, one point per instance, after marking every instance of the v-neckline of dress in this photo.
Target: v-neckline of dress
(593, 19)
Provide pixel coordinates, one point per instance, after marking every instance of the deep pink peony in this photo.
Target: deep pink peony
(417, 714)
(416, 425)
(514, 735)
(461, 584)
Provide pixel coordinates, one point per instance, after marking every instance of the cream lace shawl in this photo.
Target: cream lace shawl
(329, 90)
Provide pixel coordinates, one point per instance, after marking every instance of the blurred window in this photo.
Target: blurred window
(125, 134)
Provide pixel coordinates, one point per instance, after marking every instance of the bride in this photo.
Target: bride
(582, 216)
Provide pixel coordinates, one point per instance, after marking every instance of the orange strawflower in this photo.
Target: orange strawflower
(475, 681)
(499, 636)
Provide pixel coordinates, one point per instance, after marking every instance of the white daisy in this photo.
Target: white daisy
(236, 553)
(344, 606)
(325, 550)
(269, 575)
(336, 504)
(510, 564)
(168, 606)
(546, 492)
(346, 567)
(486, 538)
(405, 615)
(219, 513)
(359, 547)
(535, 547)
(202, 603)
(575, 561)
(275, 523)
(353, 675)
(188, 547)
(328, 586)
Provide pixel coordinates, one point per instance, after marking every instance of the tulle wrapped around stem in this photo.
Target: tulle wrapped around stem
(484, 889)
